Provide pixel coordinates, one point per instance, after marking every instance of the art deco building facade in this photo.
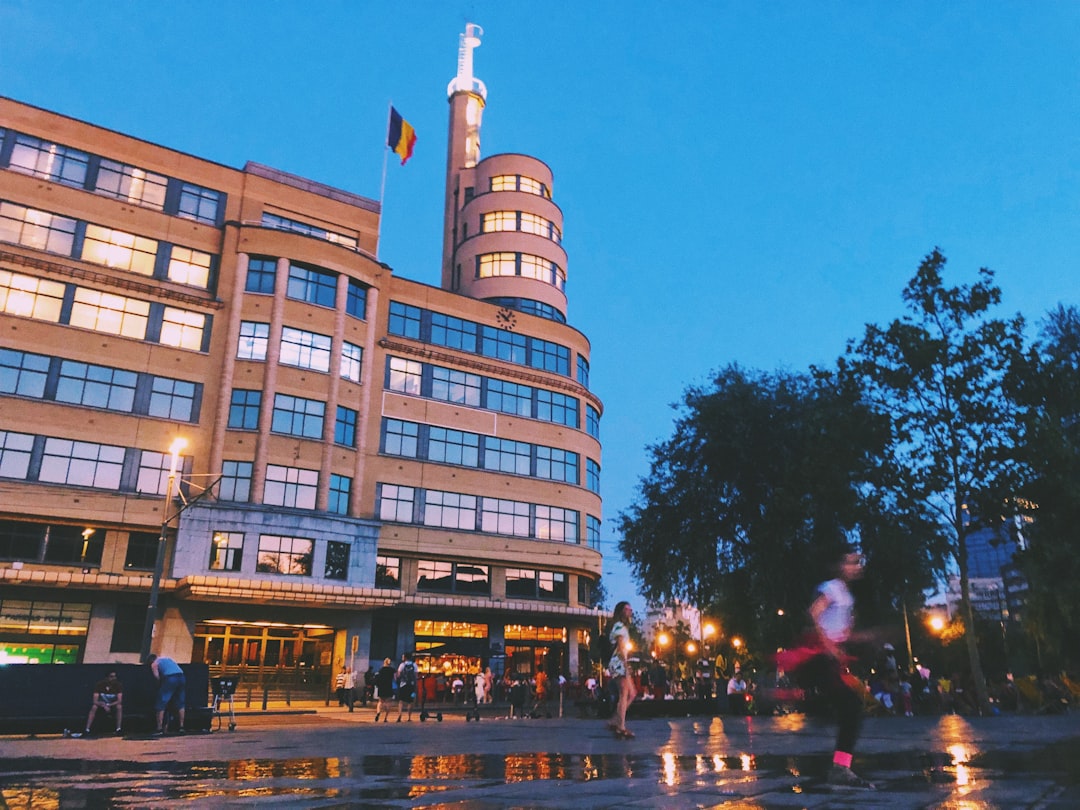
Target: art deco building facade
(388, 465)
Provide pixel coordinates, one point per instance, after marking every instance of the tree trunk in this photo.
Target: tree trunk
(975, 662)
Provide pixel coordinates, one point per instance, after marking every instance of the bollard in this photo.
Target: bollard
(266, 696)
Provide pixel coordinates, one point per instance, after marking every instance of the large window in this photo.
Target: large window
(352, 359)
(549, 356)
(141, 551)
(502, 516)
(401, 438)
(198, 203)
(450, 385)
(74, 545)
(96, 386)
(526, 583)
(396, 503)
(356, 299)
(340, 492)
(187, 266)
(450, 510)
(305, 349)
(30, 297)
(337, 560)
(405, 320)
(519, 182)
(119, 249)
(387, 572)
(552, 406)
(172, 399)
(447, 577)
(285, 224)
(36, 229)
(244, 409)
(290, 486)
(131, 184)
(285, 555)
(83, 464)
(556, 464)
(506, 455)
(592, 421)
(592, 475)
(226, 551)
(15, 451)
(182, 328)
(345, 426)
(261, 275)
(499, 343)
(296, 416)
(456, 333)
(109, 313)
(508, 397)
(254, 338)
(592, 531)
(453, 447)
(61, 164)
(556, 523)
(235, 481)
(312, 285)
(404, 376)
(583, 370)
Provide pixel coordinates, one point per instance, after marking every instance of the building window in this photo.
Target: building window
(395, 503)
(508, 397)
(142, 550)
(450, 385)
(404, 320)
(131, 184)
(556, 523)
(15, 450)
(312, 285)
(549, 356)
(400, 438)
(445, 577)
(254, 338)
(356, 299)
(51, 161)
(450, 510)
(387, 572)
(518, 182)
(583, 370)
(81, 464)
(226, 551)
(20, 540)
(345, 426)
(96, 386)
(36, 229)
(285, 224)
(74, 545)
(198, 203)
(502, 516)
(261, 275)
(128, 629)
(520, 583)
(552, 585)
(290, 486)
(337, 560)
(305, 349)
(284, 555)
(453, 447)
(558, 408)
(556, 464)
(23, 374)
(172, 399)
(592, 421)
(452, 332)
(490, 265)
(154, 472)
(119, 249)
(503, 345)
(592, 475)
(352, 359)
(592, 531)
(187, 266)
(235, 481)
(506, 455)
(340, 492)
(499, 221)
(182, 329)
(404, 376)
(244, 409)
(296, 416)
(112, 314)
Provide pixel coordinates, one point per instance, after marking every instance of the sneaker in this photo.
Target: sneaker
(118, 732)
(839, 776)
(376, 717)
(158, 733)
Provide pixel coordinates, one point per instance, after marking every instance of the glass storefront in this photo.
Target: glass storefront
(267, 654)
(38, 632)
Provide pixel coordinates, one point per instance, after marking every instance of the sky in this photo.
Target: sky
(741, 182)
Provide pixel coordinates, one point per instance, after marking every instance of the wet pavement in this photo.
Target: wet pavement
(329, 758)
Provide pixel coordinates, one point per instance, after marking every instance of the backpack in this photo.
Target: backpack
(408, 674)
(605, 647)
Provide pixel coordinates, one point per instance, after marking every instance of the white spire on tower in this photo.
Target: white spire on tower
(465, 80)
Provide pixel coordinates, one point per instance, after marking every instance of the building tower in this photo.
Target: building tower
(502, 233)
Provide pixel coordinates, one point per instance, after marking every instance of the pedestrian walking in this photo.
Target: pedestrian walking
(384, 689)
(619, 668)
(350, 688)
(406, 680)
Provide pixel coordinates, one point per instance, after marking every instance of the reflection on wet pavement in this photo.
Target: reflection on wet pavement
(459, 780)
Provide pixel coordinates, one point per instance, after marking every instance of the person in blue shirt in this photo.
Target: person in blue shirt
(171, 685)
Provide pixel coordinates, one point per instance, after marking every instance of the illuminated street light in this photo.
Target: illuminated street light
(159, 564)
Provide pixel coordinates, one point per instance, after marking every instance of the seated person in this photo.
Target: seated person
(108, 697)
(737, 692)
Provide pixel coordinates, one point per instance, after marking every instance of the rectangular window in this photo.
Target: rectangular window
(296, 416)
(290, 486)
(404, 375)
(291, 556)
(502, 516)
(127, 629)
(188, 266)
(490, 265)
(404, 320)
(305, 349)
(520, 583)
(172, 399)
(345, 426)
(36, 229)
(30, 297)
(436, 576)
(400, 438)
(558, 408)
(356, 299)
(592, 531)
(74, 545)
(352, 360)
(503, 345)
(154, 472)
(96, 386)
(396, 503)
(499, 221)
(141, 551)
(340, 492)
(475, 579)
(556, 523)
(112, 314)
(592, 475)
(254, 338)
(15, 450)
(508, 397)
(556, 464)
(453, 447)
(583, 371)
(81, 464)
(337, 560)
(506, 455)
(119, 249)
(182, 329)
(312, 285)
(549, 356)
(131, 184)
(226, 551)
(452, 332)
(592, 421)
(552, 585)
(450, 385)
(244, 409)
(23, 374)
(261, 275)
(21, 541)
(387, 572)
(61, 164)
(198, 203)
(450, 510)
(285, 224)
(235, 481)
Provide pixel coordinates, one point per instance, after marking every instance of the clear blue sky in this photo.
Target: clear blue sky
(741, 182)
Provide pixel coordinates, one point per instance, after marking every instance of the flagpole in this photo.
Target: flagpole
(382, 185)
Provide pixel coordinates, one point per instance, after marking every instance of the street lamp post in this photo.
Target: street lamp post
(159, 563)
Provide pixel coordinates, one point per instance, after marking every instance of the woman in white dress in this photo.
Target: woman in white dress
(620, 669)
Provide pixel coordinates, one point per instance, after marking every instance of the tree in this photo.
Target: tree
(753, 496)
(1047, 383)
(938, 373)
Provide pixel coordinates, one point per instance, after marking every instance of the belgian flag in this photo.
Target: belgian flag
(402, 137)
